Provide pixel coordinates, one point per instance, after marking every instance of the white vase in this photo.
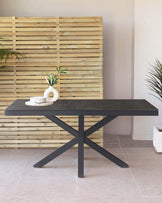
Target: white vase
(55, 94)
(157, 138)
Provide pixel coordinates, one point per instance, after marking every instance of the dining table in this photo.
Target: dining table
(109, 109)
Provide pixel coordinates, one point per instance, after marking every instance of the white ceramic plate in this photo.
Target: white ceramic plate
(29, 103)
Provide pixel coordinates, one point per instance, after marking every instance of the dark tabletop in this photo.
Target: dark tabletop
(84, 107)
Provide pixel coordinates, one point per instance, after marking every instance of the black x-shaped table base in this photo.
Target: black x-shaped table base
(81, 137)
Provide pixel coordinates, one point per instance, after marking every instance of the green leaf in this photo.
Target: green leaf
(61, 70)
(53, 78)
(154, 79)
(5, 54)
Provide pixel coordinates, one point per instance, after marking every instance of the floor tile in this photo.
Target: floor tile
(104, 181)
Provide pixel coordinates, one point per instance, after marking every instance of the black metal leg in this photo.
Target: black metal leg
(56, 153)
(98, 125)
(105, 153)
(81, 138)
(81, 147)
(63, 125)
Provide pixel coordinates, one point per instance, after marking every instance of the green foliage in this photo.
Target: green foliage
(155, 79)
(5, 54)
(53, 78)
(61, 70)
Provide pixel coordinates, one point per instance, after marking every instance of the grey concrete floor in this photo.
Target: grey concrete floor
(104, 181)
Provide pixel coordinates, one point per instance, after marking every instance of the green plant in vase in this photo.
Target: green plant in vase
(52, 79)
(154, 80)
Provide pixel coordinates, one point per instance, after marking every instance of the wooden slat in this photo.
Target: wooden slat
(76, 43)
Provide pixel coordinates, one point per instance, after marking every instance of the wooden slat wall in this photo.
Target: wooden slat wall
(76, 43)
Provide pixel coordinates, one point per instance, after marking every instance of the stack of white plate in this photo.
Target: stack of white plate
(38, 101)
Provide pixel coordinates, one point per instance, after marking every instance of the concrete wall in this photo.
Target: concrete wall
(148, 46)
(118, 27)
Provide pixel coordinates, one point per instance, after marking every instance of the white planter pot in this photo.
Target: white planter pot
(55, 94)
(157, 138)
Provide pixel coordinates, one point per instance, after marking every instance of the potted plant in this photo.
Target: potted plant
(155, 84)
(52, 80)
(5, 54)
